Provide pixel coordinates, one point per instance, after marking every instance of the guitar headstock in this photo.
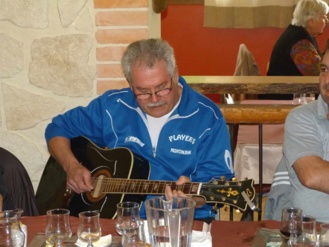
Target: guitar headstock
(228, 192)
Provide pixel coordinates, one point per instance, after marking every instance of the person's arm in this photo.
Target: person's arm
(306, 57)
(303, 146)
(313, 176)
(79, 121)
(78, 177)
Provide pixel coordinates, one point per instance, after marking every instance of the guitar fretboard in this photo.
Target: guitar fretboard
(137, 186)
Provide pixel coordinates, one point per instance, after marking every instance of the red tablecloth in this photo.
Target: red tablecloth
(224, 233)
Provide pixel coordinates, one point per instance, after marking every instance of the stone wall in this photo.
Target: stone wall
(55, 55)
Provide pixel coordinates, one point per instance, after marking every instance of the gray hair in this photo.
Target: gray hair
(307, 9)
(148, 52)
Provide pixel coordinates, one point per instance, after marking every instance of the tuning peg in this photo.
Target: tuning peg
(214, 181)
(223, 178)
(234, 179)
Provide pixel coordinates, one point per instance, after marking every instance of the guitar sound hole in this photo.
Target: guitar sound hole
(99, 181)
(99, 184)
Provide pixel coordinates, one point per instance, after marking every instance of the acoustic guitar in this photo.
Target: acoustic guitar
(121, 175)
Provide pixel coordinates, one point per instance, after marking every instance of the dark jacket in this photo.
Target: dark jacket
(7, 203)
(15, 185)
(281, 63)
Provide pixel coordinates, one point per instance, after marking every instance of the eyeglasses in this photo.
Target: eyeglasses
(159, 93)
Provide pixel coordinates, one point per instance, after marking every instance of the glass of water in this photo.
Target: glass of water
(127, 216)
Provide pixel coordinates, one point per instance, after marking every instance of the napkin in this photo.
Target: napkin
(201, 239)
(102, 242)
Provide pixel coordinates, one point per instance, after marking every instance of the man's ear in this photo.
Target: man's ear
(176, 74)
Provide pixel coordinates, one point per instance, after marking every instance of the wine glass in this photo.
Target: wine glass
(58, 229)
(291, 219)
(127, 216)
(324, 235)
(302, 99)
(299, 99)
(89, 229)
(134, 236)
(308, 236)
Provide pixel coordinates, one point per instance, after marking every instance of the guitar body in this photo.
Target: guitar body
(103, 164)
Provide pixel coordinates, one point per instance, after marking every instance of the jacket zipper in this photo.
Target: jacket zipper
(154, 151)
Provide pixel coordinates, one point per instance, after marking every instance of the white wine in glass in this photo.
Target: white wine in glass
(89, 229)
(58, 229)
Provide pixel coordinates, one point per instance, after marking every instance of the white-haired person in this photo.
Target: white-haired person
(296, 52)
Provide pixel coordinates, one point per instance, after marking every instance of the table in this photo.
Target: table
(224, 233)
(254, 84)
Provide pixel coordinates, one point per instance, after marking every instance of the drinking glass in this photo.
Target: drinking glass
(170, 223)
(58, 229)
(324, 235)
(134, 236)
(11, 234)
(89, 229)
(308, 236)
(127, 216)
(299, 99)
(291, 219)
(304, 98)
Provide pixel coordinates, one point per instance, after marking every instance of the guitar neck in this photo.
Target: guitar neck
(139, 186)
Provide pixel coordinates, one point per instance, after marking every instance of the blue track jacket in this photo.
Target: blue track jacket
(194, 142)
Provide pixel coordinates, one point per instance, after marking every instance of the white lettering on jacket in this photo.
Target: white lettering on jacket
(180, 151)
(135, 140)
(182, 137)
(228, 160)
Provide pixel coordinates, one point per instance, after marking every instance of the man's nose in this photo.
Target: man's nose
(154, 97)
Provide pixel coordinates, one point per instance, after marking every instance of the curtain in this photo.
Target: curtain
(248, 13)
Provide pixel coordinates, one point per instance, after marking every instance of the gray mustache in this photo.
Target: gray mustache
(156, 104)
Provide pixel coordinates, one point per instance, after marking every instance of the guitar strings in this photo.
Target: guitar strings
(121, 184)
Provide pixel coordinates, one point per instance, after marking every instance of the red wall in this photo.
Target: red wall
(213, 51)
